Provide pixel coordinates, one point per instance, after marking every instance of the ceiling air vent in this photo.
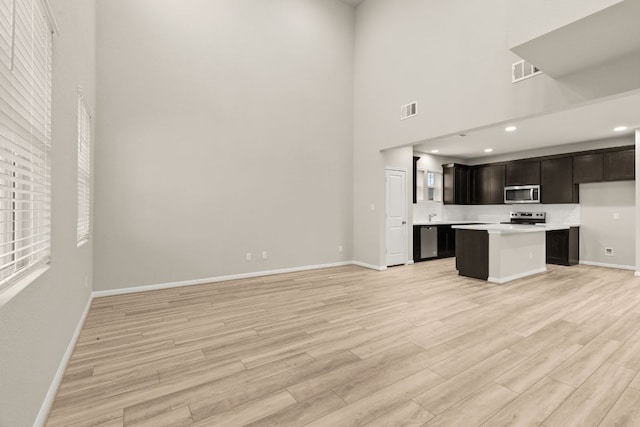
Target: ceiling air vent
(523, 70)
(409, 110)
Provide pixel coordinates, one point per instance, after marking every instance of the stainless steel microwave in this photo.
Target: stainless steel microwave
(522, 194)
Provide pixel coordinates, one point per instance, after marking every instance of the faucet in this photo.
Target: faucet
(431, 216)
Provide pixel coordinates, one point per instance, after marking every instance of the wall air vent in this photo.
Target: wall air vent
(523, 70)
(409, 110)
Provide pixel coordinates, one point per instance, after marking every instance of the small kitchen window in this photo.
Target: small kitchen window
(428, 186)
(432, 186)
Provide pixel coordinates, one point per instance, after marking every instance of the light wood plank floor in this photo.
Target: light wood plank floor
(414, 345)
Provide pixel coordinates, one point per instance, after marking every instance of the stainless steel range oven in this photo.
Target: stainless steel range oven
(527, 218)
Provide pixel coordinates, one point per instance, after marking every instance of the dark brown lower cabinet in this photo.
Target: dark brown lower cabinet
(563, 246)
(446, 242)
(472, 253)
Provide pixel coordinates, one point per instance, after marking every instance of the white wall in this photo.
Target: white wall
(38, 323)
(530, 19)
(451, 56)
(225, 127)
(598, 228)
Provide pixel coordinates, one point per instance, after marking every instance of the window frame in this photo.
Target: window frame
(85, 118)
(26, 86)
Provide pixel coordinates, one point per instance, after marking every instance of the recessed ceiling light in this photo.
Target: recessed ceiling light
(488, 150)
(435, 151)
(510, 128)
(620, 129)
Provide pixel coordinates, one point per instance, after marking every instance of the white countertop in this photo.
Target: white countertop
(447, 222)
(512, 229)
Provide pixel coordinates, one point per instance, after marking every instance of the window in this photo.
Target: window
(428, 186)
(420, 185)
(25, 137)
(432, 186)
(84, 168)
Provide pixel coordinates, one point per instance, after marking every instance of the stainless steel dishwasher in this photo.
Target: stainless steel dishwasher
(428, 242)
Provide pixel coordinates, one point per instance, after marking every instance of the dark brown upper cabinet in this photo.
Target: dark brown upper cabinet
(620, 165)
(526, 172)
(455, 184)
(557, 181)
(588, 168)
(415, 178)
(487, 183)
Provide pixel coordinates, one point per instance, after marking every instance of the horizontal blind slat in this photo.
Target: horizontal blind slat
(25, 138)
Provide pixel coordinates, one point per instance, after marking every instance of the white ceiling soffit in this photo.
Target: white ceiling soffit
(608, 35)
(353, 3)
(584, 123)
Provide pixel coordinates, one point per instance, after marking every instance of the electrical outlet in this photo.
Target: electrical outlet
(372, 207)
(340, 248)
(608, 251)
(264, 254)
(616, 215)
(248, 256)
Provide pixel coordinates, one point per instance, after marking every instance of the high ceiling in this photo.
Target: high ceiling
(353, 3)
(588, 122)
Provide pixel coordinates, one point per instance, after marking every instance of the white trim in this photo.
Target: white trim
(606, 265)
(134, 289)
(370, 266)
(637, 274)
(409, 262)
(502, 280)
(408, 228)
(41, 419)
(47, 403)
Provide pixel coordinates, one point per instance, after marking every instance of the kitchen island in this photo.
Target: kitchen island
(500, 253)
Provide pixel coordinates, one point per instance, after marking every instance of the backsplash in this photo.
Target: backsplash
(556, 214)
(421, 211)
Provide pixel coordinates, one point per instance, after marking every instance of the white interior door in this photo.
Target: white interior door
(396, 210)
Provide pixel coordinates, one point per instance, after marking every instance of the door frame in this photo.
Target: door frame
(406, 216)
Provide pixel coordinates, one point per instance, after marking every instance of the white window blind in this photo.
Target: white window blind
(84, 167)
(25, 138)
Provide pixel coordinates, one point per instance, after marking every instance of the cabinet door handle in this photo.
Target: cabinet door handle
(404, 222)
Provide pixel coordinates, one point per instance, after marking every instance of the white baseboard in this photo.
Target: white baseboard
(169, 285)
(370, 266)
(47, 403)
(606, 265)
(41, 419)
(502, 280)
